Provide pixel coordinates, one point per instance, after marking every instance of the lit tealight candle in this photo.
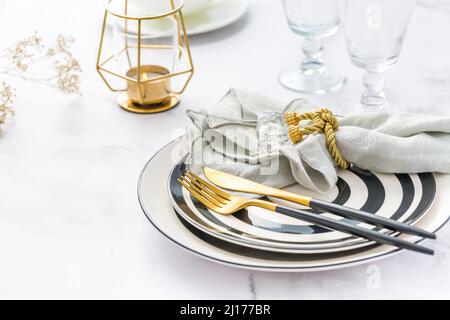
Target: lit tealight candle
(152, 91)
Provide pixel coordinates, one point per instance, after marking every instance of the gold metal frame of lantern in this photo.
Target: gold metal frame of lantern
(147, 95)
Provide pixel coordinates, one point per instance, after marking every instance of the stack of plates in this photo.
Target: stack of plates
(262, 240)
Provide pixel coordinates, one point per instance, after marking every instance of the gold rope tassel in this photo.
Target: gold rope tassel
(322, 121)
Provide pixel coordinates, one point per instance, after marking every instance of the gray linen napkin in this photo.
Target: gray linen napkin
(244, 135)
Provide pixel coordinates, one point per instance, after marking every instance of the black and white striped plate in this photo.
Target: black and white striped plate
(403, 197)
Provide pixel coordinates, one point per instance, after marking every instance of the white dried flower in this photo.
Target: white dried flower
(62, 69)
(6, 102)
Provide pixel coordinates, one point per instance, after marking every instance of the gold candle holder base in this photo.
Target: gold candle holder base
(127, 104)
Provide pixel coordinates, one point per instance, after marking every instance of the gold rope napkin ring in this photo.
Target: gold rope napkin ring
(322, 121)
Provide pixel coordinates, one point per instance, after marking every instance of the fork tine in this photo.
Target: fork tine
(198, 196)
(208, 186)
(205, 189)
(200, 190)
(222, 193)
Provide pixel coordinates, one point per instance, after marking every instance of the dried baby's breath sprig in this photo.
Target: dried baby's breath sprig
(53, 65)
(22, 54)
(31, 60)
(6, 102)
(67, 67)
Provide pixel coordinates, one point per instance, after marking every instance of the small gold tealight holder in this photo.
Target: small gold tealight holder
(151, 55)
(151, 94)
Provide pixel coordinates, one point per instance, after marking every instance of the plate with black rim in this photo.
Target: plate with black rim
(402, 197)
(155, 203)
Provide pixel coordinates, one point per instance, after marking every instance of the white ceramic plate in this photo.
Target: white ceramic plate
(219, 14)
(154, 200)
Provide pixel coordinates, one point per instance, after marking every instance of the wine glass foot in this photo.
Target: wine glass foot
(322, 82)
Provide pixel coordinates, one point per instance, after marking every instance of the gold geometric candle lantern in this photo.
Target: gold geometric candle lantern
(146, 58)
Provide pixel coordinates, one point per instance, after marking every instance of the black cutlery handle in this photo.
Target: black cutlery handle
(369, 218)
(352, 229)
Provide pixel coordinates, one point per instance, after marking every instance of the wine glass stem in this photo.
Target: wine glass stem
(313, 51)
(374, 97)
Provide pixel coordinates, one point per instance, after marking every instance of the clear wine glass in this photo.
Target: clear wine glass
(313, 20)
(374, 31)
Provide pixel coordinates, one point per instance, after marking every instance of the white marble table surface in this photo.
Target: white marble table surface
(70, 222)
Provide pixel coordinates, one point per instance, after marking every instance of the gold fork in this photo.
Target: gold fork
(225, 203)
